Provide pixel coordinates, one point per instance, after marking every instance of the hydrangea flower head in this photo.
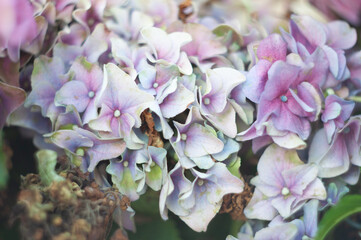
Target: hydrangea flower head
(121, 103)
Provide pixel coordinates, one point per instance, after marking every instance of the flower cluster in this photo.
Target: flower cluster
(167, 104)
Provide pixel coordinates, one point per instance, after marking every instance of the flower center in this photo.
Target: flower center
(206, 101)
(285, 191)
(200, 182)
(284, 98)
(116, 113)
(184, 136)
(152, 164)
(155, 85)
(125, 163)
(80, 152)
(91, 94)
(346, 130)
(91, 21)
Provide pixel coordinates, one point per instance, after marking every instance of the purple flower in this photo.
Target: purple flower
(244, 109)
(25, 118)
(83, 89)
(121, 103)
(333, 38)
(286, 107)
(307, 227)
(195, 141)
(269, 50)
(354, 64)
(166, 48)
(131, 58)
(298, 229)
(337, 111)
(155, 168)
(89, 13)
(127, 23)
(279, 231)
(346, 9)
(335, 191)
(20, 27)
(173, 93)
(68, 119)
(177, 100)
(163, 12)
(341, 155)
(200, 201)
(283, 185)
(85, 148)
(204, 45)
(174, 187)
(155, 80)
(64, 9)
(128, 178)
(214, 103)
(230, 147)
(92, 48)
(47, 78)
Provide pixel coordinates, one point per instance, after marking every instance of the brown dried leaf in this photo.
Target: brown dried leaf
(185, 10)
(154, 138)
(234, 204)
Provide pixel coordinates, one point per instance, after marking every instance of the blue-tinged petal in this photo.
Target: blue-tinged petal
(71, 140)
(204, 162)
(283, 205)
(24, 117)
(121, 103)
(68, 119)
(73, 93)
(176, 102)
(310, 217)
(274, 161)
(156, 168)
(260, 207)
(47, 78)
(224, 121)
(177, 187)
(230, 147)
(201, 141)
(287, 231)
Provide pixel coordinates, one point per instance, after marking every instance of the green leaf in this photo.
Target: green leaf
(156, 229)
(147, 204)
(347, 206)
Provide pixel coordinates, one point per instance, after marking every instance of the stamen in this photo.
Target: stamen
(206, 101)
(91, 94)
(91, 21)
(116, 113)
(285, 191)
(284, 98)
(184, 136)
